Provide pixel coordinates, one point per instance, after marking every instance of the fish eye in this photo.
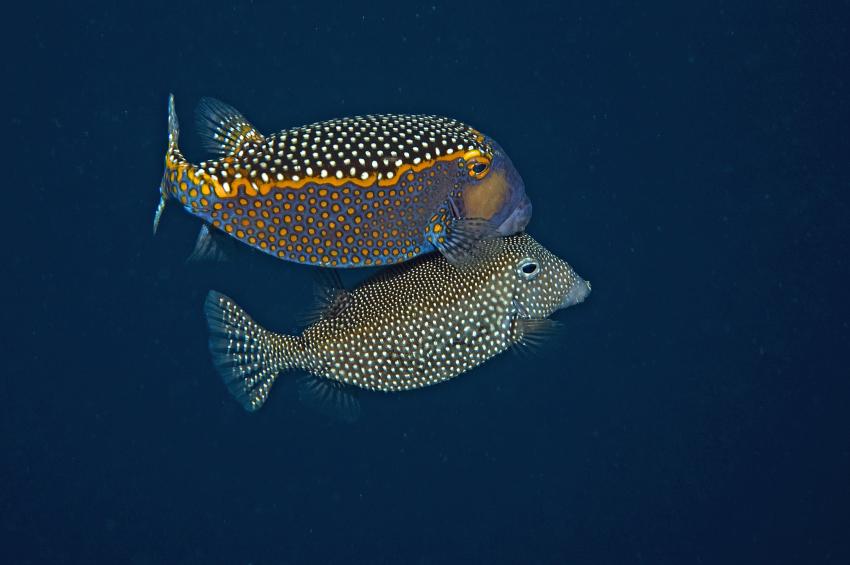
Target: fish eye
(528, 269)
(478, 168)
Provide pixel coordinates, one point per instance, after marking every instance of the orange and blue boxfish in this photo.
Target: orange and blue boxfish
(348, 192)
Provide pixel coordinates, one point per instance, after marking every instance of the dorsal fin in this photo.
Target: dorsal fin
(331, 297)
(222, 128)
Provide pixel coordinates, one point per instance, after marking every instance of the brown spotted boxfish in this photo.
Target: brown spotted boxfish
(350, 192)
(414, 325)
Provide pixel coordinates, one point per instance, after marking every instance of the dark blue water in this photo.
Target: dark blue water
(689, 158)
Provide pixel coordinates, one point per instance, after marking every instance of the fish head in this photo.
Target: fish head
(492, 189)
(543, 282)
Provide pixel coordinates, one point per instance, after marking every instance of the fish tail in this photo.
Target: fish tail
(173, 161)
(247, 356)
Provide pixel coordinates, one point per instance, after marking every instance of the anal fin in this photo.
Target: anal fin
(331, 398)
(211, 245)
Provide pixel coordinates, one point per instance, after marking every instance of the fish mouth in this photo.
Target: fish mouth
(518, 219)
(577, 293)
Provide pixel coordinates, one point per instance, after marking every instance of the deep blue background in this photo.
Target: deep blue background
(689, 158)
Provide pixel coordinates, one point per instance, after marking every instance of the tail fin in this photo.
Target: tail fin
(173, 158)
(247, 356)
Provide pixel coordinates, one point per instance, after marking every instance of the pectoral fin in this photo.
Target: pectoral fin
(468, 241)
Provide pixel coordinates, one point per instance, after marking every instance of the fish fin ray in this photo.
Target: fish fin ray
(331, 297)
(245, 355)
(173, 151)
(222, 128)
(469, 241)
(331, 398)
(211, 245)
(173, 123)
(531, 334)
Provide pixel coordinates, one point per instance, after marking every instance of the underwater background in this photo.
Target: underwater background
(690, 159)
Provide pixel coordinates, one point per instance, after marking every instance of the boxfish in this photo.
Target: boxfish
(415, 324)
(349, 192)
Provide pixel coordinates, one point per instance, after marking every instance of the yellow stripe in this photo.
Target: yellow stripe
(252, 189)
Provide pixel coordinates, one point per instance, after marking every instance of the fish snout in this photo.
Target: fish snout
(577, 293)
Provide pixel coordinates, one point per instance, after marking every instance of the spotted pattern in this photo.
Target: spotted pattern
(420, 324)
(365, 151)
(341, 193)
